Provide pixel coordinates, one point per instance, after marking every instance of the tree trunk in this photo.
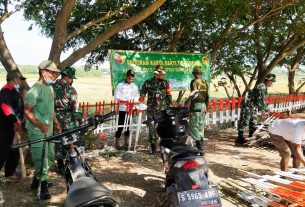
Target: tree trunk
(60, 36)
(291, 75)
(8, 62)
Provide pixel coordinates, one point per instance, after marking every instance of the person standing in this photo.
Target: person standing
(40, 117)
(66, 109)
(159, 97)
(11, 119)
(287, 136)
(253, 102)
(124, 92)
(197, 119)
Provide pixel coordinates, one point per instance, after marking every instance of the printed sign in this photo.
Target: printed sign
(178, 66)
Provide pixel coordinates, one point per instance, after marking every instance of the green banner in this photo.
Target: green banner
(178, 66)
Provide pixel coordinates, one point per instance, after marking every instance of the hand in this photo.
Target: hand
(263, 116)
(57, 128)
(173, 104)
(141, 99)
(44, 128)
(18, 127)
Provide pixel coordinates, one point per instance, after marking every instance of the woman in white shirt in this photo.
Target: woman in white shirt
(124, 92)
(287, 136)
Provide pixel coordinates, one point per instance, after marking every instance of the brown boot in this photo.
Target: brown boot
(126, 142)
(117, 144)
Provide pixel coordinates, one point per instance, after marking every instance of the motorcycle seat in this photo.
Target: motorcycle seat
(85, 189)
(181, 151)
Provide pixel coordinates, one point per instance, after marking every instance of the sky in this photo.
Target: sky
(27, 47)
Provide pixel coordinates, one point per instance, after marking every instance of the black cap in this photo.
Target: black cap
(14, 74)
(130, 73)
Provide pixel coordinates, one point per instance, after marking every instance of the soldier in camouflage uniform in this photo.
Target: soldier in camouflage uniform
(159, 97)
(197, 119)
(65, 108)
(252, 103)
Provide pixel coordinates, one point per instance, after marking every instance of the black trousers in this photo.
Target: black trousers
(118, 133)
(9, 158)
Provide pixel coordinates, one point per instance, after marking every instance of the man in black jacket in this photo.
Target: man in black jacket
(11, 118)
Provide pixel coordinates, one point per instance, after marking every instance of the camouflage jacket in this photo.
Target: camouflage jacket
(256, 98)
(66, 106)
(158, 92)
(201, 85)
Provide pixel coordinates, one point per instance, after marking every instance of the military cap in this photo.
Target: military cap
(69, 71)
(197, 69)
(270, 77)
(48, 65)
(14, 74)
(159, 70)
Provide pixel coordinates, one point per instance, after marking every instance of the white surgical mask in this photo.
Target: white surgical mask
(17, 86)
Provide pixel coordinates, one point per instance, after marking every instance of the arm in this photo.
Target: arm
(117, 93)
(261, 99)
(143, 92)
(136, 93)
(56, 124)
(28, 112)
(168, 96)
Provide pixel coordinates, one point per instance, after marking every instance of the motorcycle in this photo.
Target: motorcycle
(83, 188)
(186, 181)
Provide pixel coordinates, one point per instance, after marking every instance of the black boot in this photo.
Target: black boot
(44, 193)
(60, 167)
(199, 146)
(153, 148)
(240, 139)
(251, 131)
(35, 183)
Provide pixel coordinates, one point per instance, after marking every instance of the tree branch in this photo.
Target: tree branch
(112, 30)
(271, 13)
(176, 38)
(96, 21)
(5, 16)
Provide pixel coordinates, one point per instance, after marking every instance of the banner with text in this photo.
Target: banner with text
(178, 66)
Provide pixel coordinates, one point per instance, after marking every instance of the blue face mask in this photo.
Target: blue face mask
(48, 81)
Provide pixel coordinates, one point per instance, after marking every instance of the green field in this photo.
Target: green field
(92, 86)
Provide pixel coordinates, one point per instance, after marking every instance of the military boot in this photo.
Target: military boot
(44, 193)
(251, 131)
(153, 149)
(35, 183)
(199, 146)
(240, 139)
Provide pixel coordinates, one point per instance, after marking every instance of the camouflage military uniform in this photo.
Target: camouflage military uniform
(251, 104)
(66, 105)
(159, 97)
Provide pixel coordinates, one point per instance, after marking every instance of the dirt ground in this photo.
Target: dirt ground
(136, 179)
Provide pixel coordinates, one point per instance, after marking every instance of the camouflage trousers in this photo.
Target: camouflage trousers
(152, 133)
(247, 116)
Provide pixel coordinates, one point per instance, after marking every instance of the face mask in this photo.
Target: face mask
(48, 81)
(17, 86)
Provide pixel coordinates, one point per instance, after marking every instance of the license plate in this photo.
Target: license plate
(199, 198)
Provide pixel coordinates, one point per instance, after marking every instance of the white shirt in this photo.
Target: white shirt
(291, 129)
(126, 92)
